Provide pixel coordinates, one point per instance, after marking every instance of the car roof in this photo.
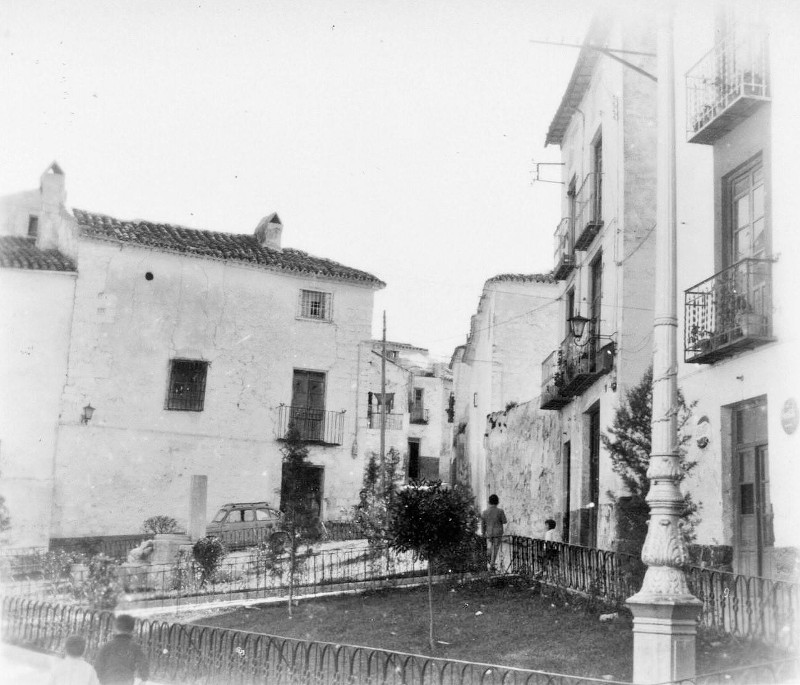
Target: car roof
(241, 505)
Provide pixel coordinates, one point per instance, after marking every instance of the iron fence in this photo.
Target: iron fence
(180, 653)
(589, 210)
(564, 249)
(725, 83)
(782, 671)
(343, 530)
(418, 414)
(315, 425)
(729, 311)
(394, 422)
(758, 609)
(261, 574)
(114, 546)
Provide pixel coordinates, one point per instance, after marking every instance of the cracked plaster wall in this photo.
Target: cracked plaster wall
(135, 458)
(522, 455)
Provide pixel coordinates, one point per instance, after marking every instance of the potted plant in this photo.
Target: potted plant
(749, 322)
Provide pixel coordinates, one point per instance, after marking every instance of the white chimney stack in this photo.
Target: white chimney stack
(268, 232)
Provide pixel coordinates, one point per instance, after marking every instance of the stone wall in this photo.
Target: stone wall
(523, 469)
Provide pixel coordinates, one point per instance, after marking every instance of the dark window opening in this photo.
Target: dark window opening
(187, 385)
(33, 226)
(413, 459)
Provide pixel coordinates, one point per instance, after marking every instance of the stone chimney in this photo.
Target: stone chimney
(52, 186)
(268, 232)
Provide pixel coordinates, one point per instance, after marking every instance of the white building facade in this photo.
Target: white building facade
(738, 278)
(195, 350)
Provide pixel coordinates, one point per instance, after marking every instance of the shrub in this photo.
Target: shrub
(208, 552)
(101, 587)
(157, 525)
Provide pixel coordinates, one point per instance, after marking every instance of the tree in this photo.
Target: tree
(431, 521)
(378, 491)
(629, 442)
(300, 516)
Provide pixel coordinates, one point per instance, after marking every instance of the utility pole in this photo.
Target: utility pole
(664, 610)
(383, 406)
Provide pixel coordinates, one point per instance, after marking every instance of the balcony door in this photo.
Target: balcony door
(754, 533)
(746, 234)
(308, 404)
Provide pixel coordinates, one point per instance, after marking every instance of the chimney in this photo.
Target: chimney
(54, 194)
(268, 232)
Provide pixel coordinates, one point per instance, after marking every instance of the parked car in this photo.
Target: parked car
(246, 524)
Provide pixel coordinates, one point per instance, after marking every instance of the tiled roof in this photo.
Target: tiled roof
(215, 245)
(522, 278)
(20, 252)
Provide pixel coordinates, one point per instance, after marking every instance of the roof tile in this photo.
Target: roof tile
(20, 252)
(215, 245)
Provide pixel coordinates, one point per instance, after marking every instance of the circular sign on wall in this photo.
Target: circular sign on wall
(703, 432)
(790, 416)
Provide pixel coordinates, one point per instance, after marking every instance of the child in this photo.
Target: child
(120, 659)
(72, 669)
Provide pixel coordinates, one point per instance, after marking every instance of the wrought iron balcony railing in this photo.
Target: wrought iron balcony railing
(552, 380)
(572, 369)
(588, 210)
(565, 250)
(394, 422)
(315, 425)
(418, 415)
(726, 84)
(729, 312)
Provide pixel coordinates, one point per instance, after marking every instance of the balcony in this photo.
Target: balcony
(418, 415)
(588, 210)
(565, 252)
(315, 425)
(571, 369)
(729, 312)
(552, 378)
(394, 422)
(726, 85)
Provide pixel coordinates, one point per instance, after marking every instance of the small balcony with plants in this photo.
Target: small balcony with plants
(564, 249)
(729, 312)
(573, 368)
(392, 421)
(726, 85)
(588, 210)
(552, 382)
(315, 425)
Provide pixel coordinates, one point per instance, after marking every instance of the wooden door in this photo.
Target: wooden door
(754, 536)
(308, 404)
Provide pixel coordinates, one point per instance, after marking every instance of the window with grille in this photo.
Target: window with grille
(315, 304)
(187, 385)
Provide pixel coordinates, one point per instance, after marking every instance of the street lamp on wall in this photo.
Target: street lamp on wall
(577, 325)
(88, 411)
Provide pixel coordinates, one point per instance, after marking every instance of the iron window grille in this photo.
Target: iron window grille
(187, 385)
(315, 304)
(33, 226)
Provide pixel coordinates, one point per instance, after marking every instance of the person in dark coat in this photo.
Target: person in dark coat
(121, 659)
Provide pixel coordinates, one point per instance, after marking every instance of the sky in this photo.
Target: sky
(397, 137)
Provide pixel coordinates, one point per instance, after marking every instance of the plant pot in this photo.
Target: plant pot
(751, 325)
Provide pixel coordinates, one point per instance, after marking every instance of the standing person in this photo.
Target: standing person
(492, 520)
(551, 536)
(120, 659)
(72, 669)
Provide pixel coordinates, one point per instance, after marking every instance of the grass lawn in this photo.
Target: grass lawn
(510, 625)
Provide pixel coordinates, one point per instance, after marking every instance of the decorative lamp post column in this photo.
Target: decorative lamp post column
(664, 610)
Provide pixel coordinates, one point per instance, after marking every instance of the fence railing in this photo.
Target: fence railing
(746, 607)
(781, 671)
(261, 574)
(729, 311)
(589, 210)
(180, 653)
(114, 546)
(564, 257)
(732, 73)
(315, 425)
(393, 421)
(418, 414)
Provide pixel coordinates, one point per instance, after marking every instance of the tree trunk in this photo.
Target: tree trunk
(430, 604)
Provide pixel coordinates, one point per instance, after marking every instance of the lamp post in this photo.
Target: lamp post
(664, 610)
